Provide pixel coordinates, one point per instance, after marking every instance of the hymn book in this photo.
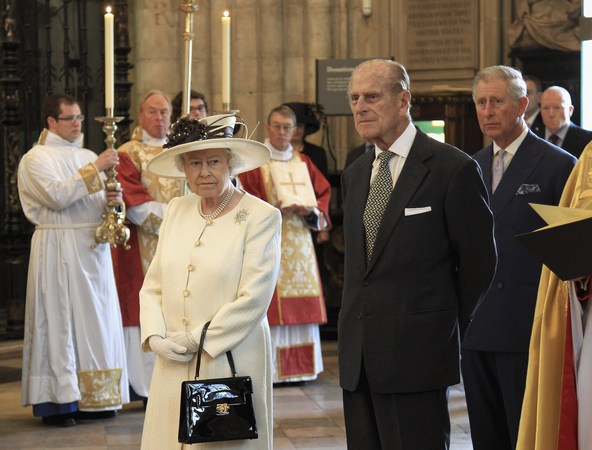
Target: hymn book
(292, 184)
(565, 244)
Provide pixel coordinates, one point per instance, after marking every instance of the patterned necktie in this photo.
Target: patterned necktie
(498, 170)
(554, 139)
(379, 195)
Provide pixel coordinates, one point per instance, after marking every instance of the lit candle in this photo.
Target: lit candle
(109, 70)
(226, 60)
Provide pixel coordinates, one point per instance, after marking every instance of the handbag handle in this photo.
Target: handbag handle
(201, 343)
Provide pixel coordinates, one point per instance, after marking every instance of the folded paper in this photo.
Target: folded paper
(565, 244)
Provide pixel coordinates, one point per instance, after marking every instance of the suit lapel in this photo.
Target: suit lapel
(358, 191)
(523, 163)
(413, 173)
(570, 137)
(485, 160)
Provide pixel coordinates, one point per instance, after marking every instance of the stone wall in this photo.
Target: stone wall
(275, 43)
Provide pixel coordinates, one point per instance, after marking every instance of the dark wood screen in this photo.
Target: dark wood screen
(461, 127)
(48, 46)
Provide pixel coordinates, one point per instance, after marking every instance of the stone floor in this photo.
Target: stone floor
(306, 417)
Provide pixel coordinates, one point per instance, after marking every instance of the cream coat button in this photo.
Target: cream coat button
(190, 267)
(186, 293)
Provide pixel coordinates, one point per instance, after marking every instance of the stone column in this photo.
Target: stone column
(157, 48)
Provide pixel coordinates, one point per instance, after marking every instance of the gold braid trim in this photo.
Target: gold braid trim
(152, 224)
(137, 134)
(586, 179)
(99, 388)
(42, 137)
(91, 178)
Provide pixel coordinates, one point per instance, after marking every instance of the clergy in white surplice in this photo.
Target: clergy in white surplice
(298, 305)
(73, 349)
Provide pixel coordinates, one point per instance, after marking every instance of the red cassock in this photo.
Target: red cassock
(298, 297)
(127, 264)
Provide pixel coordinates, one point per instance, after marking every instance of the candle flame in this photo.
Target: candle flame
(226, 14)
(108, 9)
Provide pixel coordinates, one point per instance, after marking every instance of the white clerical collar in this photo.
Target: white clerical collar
(513, 147)
(54, 139)
(280, 155)
(152, 141)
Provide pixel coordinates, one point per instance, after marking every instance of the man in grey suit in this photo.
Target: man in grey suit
(518, 168)
(413, 275)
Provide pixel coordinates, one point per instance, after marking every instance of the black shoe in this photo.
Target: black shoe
(95, 415)
(59, 420)
(290, 384)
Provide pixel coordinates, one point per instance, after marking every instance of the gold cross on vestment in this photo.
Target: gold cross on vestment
(292, 183)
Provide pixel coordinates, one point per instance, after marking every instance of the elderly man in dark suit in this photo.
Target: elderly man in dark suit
(518, 169)
(556, 111)
(419, 256)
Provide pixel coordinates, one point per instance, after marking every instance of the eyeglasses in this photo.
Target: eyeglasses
(198, 108)
(278, 127)
(72, 118)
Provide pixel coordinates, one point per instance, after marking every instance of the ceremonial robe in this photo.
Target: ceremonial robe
(298, 305)
(557, 405)
(141, 189)
(73, 349)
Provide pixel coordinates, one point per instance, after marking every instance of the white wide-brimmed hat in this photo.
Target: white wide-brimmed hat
(189, 135)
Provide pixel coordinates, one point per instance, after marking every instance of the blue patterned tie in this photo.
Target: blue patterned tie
(379, 195)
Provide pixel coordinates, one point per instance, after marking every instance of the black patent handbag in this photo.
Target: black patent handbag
(219, 409)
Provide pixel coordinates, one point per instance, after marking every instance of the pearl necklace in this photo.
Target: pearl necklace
(210, 217)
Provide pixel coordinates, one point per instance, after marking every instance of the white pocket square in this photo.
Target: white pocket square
(415, 211)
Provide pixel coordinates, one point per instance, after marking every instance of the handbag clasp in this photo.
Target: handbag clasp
(222, 409)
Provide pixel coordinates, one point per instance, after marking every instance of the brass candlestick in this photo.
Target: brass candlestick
(112, 230)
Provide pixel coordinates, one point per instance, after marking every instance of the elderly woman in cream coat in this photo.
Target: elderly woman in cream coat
(217, 260)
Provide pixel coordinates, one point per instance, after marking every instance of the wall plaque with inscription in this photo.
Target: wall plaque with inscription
(332, 80)
(442, 34)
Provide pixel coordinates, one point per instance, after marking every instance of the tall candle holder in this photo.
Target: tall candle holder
(225, 43)
(189, 8)
(112, 230)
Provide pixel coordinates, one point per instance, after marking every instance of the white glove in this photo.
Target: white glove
(169, 350)
(184, 339)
